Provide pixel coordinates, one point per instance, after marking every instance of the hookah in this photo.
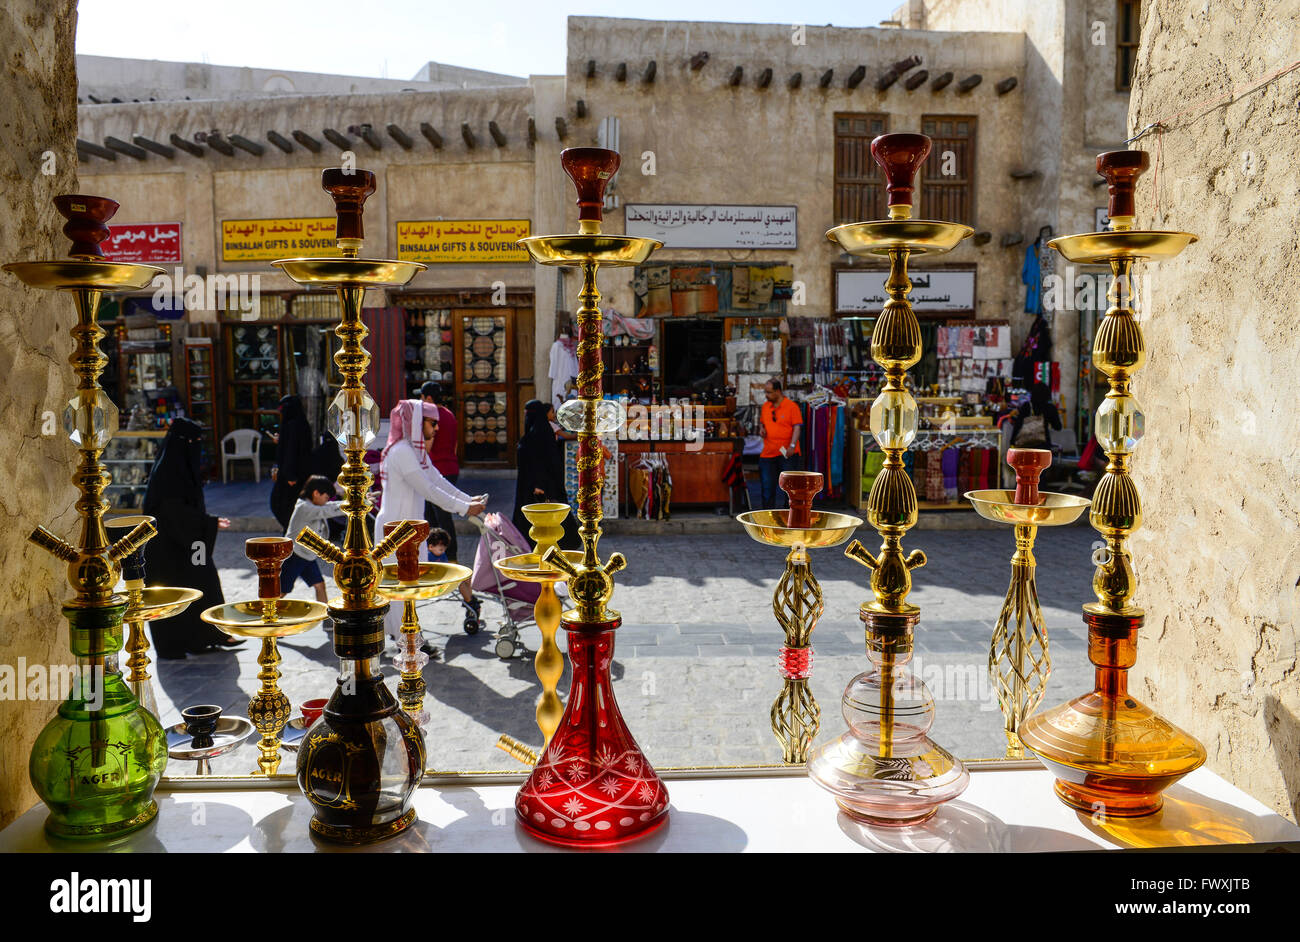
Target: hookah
(1110, 753)
(407, 582)
(885, 770)
(96, 763)
(1020, 660)
(360, 762)
(547, 528)
(269, 618)
(144, 604)
(797, 601)
(592, 785)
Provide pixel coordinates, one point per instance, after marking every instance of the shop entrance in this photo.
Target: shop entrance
(482, 355)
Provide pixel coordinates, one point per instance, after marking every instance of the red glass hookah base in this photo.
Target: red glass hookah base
(592, 787)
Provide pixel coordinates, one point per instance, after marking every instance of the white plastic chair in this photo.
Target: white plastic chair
(246, 442)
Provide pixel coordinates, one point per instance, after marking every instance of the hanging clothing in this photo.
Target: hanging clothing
(293, 458)
(1031, 277)
(183, 552)
(563, 368)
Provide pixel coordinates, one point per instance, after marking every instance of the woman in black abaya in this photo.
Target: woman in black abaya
(293, 458)
(541, 471)
(181, 554)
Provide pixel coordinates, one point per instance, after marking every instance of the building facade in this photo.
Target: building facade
(742, 144)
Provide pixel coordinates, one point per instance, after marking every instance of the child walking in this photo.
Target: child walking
(315, 506)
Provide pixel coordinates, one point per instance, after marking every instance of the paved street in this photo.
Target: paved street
(695, 665)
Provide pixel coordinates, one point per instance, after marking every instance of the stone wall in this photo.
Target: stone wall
(38, 111)
(1219, 469)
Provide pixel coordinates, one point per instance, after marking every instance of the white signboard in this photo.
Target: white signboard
(713, 227)
(946, 290)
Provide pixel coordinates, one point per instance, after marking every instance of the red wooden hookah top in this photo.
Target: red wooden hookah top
(1121, 168)
(801, 487)
(86, 217)
(1029, 464)
(408, 554)
(899, 156)
(349, 188)
(590, 169)
(268, 553)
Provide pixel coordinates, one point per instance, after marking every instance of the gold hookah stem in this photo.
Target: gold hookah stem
(352, 360)
(796, 604)
(269, 710)
(590, 482)
(1119, 351)
(137, 642)
(887, 697)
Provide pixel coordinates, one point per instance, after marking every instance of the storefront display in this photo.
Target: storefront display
(1110, 753)
(200, 395)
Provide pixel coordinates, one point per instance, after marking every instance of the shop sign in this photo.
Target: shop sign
(143, 242)
(946, 290)
(709, 226)
(450, 241)
(255, 240)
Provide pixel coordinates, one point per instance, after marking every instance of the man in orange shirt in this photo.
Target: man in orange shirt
(782, 425)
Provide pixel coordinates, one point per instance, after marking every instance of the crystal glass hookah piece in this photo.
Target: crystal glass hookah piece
(1020, 660)
(409, 581)
(1111, 754)
(269, 618)
(592, 785)
(885, 770)
(96, 763)
(797, 601)
(360, 762)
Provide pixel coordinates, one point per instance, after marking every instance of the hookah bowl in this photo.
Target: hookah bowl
(1110, 753)
(547, 529)
(359, 764)
(797, 601)
(592, 785)
(1020, 660)
(205, 734)
(96, 763)
(269, 618)
(885, 770)
(407, 582)
(144, 604)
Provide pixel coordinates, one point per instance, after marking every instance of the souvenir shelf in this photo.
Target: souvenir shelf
(130, 456)
(482, 348)
(253, 375)
(429, 348)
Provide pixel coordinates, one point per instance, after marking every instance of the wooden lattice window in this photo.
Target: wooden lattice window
(1128, 22)
(859, 184)
(948, 175)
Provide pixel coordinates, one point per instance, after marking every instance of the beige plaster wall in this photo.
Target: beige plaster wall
(38, 110)
(1219, 469)
(776, 146)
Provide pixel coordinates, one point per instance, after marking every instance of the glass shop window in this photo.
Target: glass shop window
(859, 184)
(948, 174)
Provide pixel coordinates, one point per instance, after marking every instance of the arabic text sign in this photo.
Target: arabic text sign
(462, 240)
(947, 289)
(250, 240)
(143, 242)
(714, 227)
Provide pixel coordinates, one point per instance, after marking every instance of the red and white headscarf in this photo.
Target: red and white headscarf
(406, 422)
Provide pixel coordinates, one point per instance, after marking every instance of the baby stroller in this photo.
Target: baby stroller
(498, 539)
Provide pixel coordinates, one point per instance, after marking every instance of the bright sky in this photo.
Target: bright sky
(393, 38)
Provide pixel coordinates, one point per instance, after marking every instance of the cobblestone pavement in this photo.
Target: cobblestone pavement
(694, 669)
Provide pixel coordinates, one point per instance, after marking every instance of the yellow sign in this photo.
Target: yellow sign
(252, 240)
(462, 240)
